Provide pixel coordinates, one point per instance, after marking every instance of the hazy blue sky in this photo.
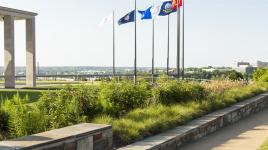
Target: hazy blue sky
(217, 32)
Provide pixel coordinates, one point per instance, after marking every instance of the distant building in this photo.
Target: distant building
(244, 67)
(220, 69)
(261, 64)
(246, 70)
(209, 69)
(243, 64)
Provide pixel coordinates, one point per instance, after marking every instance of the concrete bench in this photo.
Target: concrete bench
(84, 136)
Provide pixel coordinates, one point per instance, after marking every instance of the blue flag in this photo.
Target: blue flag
(146, 14)
(130, 17)
(166, 9)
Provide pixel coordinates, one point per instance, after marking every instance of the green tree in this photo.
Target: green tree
(261, 75)
(235, 76)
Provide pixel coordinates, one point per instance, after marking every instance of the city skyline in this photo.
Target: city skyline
(217, 33)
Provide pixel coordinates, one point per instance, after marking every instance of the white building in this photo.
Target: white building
(244, 67)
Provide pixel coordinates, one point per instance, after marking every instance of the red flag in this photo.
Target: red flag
(180, 3)
(175, 4)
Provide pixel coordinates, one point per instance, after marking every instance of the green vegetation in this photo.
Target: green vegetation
(261, 75)
(235, 76)
(222, 74)
(33, 95)
(20, 82)
(135, 111)
(144, 122)
(264, 146)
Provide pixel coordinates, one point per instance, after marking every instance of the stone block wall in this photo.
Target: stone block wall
(79, 137)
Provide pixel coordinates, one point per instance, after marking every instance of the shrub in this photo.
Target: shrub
(119, 98)
(4, 119)
(235, 76)
(172, 91)
(70, 105)
(24, 119)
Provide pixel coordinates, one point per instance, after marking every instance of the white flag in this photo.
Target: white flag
(155, 11)
(106, 20)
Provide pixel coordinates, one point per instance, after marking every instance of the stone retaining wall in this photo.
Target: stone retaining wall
(79, 137)
(175, 138)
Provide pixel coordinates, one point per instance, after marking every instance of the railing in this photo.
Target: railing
(79, 77)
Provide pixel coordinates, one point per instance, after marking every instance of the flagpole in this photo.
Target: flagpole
(168, 49)
(113, 43)
(153, 53)
(135, 54)
(183, 40)
(178, 39)
(153, 49)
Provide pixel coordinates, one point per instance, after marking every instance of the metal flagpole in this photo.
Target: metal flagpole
(168, 49)
(183, 39)
(135, 59)
(153, 50)
(178, 39)
(153, 53)
(113, 44)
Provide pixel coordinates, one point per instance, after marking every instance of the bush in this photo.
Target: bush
(23, 119)
(119, 98)
(4, 119)
(261, 75)
(172, 91)
(70, 105)
(235, 76)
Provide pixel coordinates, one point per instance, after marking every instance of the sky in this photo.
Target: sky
(217, 33)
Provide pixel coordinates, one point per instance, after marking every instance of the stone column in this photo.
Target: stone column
(9, 46)
(30, 53)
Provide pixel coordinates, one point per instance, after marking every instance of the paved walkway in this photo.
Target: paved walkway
(247, 134)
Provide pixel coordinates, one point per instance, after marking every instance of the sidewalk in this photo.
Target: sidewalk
(247, 134)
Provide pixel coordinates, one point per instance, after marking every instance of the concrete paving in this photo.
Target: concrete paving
(247, 134)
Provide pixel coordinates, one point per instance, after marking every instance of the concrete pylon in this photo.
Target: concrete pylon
(9, 52)
(30, 53)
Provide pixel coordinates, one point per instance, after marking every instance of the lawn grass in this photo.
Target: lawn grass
(264, 146)
(33, 95)
(45, 82)
(48, 87)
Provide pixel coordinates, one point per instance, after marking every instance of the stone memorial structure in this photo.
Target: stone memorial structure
(83, 136)
(9, 15)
